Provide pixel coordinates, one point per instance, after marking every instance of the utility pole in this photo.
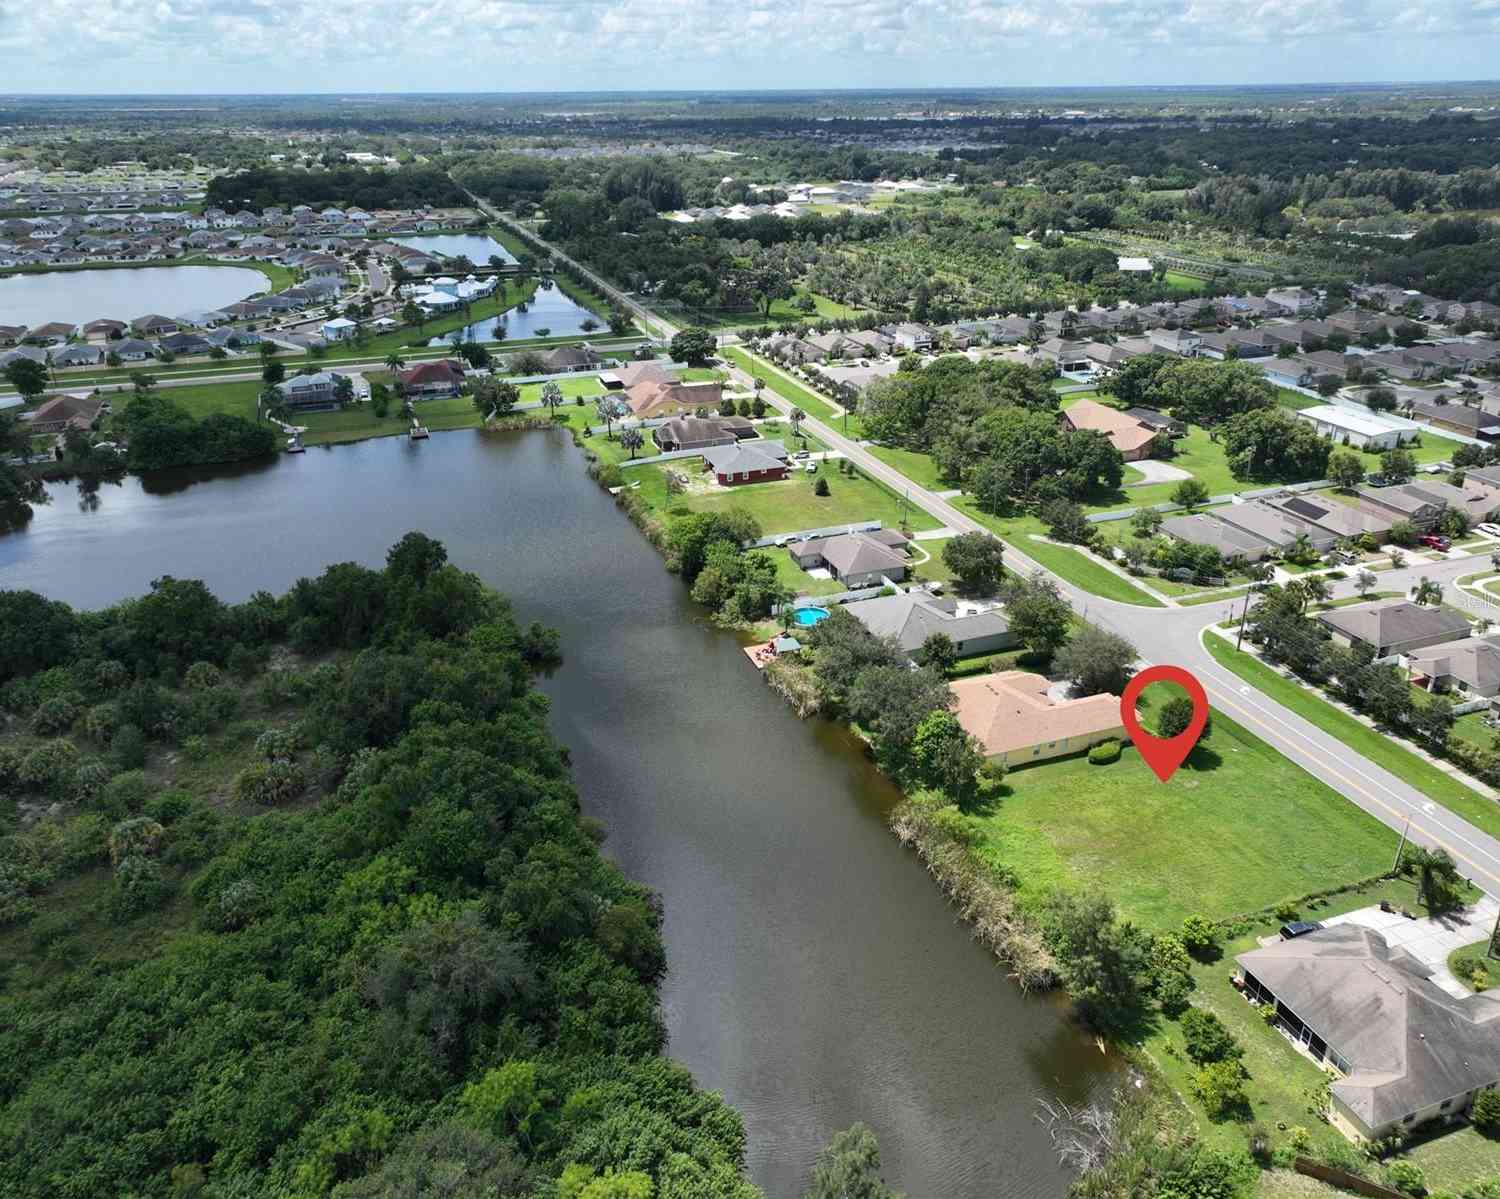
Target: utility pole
(1244, 616)
(1401, 848)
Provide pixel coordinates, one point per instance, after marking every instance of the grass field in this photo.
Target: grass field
(789, 504)
(915, 465)
(1236, 829)
(782, 312)
(793, 392)
(1373, 744)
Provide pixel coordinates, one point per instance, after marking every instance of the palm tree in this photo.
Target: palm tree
(796, 416)
(394, 361)
(1428, 592)
(1438, 879)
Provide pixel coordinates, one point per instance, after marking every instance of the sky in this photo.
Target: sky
(263, 46)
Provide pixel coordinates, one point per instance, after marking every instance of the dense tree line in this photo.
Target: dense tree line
(410, 187)
(399, 956)
(162, 434)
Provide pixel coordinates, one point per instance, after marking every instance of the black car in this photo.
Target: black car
(1299, 928)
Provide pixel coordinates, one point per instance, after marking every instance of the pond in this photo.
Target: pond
(478, 248)
(123, 293)
(816, 975)
(549, 308)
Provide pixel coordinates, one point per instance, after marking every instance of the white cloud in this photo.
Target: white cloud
(377, 45)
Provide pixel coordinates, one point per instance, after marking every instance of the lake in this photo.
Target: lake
(478, 248)
(817, 976)
(549, 308)
(123, 293)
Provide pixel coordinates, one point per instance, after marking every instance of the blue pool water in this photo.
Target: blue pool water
(810, 616)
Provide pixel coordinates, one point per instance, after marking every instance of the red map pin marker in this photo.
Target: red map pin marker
(1164, 754)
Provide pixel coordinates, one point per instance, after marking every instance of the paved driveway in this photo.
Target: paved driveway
(1430, 939)
(1157, 472)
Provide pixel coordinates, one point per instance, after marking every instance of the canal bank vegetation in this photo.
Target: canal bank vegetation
(309, 872)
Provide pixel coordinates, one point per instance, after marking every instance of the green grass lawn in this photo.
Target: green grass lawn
(789, 504)
(1372, 743)
(793, 392)
(782, 312)
(237, 399)
(359, 421)
(1067, 563)
(915, 465)
(793, 576)
(1237, 829)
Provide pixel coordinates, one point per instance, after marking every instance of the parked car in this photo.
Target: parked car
(1299, 928)
(801, 456)
(1434, 541)
(1490, 530)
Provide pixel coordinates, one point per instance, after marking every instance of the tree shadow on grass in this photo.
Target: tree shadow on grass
(1203, 758)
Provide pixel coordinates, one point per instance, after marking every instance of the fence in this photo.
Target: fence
(868, 526)
(1344, 1179)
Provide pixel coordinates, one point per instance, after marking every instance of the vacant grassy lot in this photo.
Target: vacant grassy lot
(789, 504)
(359, 421)
(1238, 828)
(1373, 744)
(915, 465)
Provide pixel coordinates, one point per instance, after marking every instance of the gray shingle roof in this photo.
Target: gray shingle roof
(1394, 622)
(912, 618)
(1408, 1043)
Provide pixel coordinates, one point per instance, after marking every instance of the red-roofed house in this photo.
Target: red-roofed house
(427, 379)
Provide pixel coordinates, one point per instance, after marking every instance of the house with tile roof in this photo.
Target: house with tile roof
(1130, 435)
(1016, 720)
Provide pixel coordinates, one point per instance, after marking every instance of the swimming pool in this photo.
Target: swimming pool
(807, 617)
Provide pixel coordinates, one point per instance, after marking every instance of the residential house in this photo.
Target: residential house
(749, 462)
(623, 378)
(1477, 420)
(1131, 436)
(11, 334)
(570, 358)
(1205, 529)
(339, 329)
(105, 329)
(64, 411)
(697, 433)
(429, 379)
(1237, 343)
(31, 353)
(1342, 520)
(54, 333)
(1295, 300)
(311, 392)
(914, 616)
(1358, 427)
(1158, 421)
(1183, 342)
(1070, 357)
(649, 399)
(1394, 626)
(1278, 529)
(1470, 666)
(78, 355)
(910, 336)
(855, 559)
(1404, 1051)
(186, 343)
(153, 325)
(131, 349)
(1016, 720)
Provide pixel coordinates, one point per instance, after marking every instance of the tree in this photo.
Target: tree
(394, 361)
(1328, 385)
(1102, 961)
(343, 390)
(1271, 443)
(1190, 493)
(1364, 581)
(1207, 1039)
(1398, 465)
(1038, 614)
(1176, 716)
(552, 396)
(939, 651)
(495, 398)
(632, 440)
(27, 377)
(1346, 469)
(849, 1168)
(1204, 392)
(271, 403)
(608, 409)
(1439, 884)
(693, 345)
(413, 313)
(1220, 1087)
(1486, 1112)
(1427, 592)
(945, 758)
(273, 373)
(1096, 661)
(977, 562)
(1067, 521)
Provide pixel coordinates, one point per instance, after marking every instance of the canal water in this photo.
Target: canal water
(478, 248)
(549, 308)
(123, 294)
(816, 975)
